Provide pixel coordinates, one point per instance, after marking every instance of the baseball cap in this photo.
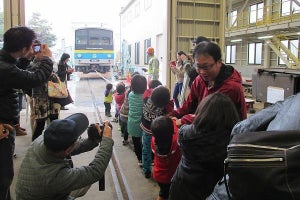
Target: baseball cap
(62, 133)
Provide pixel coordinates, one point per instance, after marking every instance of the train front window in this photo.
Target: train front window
(105, 41)
(95, 41)
(81, 37)
(99, 38)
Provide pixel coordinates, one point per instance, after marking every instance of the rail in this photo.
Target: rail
(122, 189)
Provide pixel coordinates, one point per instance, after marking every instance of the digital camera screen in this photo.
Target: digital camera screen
(37, 48)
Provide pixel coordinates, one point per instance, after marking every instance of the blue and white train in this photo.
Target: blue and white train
(94, 51)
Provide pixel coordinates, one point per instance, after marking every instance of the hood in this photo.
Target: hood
(203, 146)
(228, 73)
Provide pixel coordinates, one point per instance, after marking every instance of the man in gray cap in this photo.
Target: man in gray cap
(46, 173)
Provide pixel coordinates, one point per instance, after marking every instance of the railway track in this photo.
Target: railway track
(120, 183)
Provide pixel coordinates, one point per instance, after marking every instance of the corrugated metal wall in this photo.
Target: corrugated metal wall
(194, 18)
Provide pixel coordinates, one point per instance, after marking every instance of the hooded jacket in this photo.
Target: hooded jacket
(228, 82)
(201, 165)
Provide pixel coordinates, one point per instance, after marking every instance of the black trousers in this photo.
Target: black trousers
(40, 125)
(164, 190)
(7, 147)
(137, 143)
(107, 107)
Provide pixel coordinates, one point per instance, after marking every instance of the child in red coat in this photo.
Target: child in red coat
(119, 97)
(166, 153)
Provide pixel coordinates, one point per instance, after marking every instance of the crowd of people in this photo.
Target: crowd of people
(180, 141)
(143, 110)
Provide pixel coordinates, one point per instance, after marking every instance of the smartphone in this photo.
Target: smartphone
(37, 48)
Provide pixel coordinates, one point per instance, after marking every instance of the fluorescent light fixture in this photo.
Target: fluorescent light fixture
(236, 40)
(298, 33)
(265, 37)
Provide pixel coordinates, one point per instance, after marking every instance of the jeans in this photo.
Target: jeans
(146, 152)
(123, 126)
(20, 95)
(7, 147)
(176, 92)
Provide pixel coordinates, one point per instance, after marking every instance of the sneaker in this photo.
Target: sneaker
(108, 115)
(147, 175)
(115, 120)
(140, 164)
(125, 142)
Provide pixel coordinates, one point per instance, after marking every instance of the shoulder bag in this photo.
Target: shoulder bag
(264, 165)
(57, 89)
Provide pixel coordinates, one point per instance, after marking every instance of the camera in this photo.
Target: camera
(37, 48)
(93, 132)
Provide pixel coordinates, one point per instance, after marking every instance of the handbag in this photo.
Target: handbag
(264, 165)
(57, 89)
(64, 101)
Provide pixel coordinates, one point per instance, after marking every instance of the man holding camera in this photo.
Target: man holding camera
(18, 43)
(46, 173)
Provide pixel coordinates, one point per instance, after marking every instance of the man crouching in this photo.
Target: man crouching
(47, 173)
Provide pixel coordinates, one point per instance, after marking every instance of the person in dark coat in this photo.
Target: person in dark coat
(64, 70)
(203, 144)
(18, 44)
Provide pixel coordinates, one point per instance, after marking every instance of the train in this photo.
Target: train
(94, 51)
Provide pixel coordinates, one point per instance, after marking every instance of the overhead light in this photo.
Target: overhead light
(236, 40)
(298, 33)
(265, 37)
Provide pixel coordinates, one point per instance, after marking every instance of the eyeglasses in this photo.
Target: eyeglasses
(206, 67)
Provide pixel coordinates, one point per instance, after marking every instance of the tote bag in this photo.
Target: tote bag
(57, 89)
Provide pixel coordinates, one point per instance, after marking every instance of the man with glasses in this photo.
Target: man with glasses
(214, 77)
(18, 43)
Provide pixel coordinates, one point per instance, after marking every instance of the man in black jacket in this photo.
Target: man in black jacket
(18, 43)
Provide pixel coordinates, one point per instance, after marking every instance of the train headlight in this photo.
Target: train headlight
(79, 55)
(109, 55)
